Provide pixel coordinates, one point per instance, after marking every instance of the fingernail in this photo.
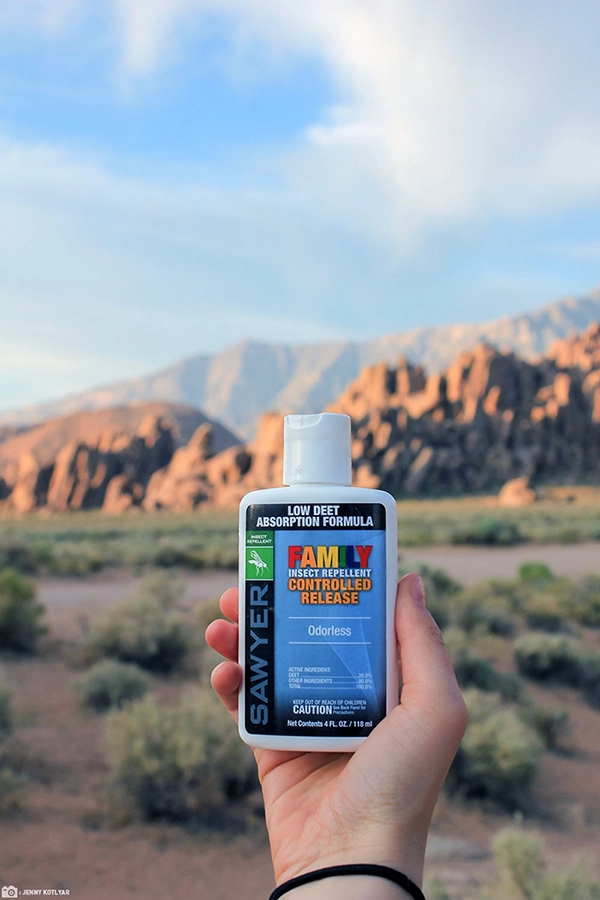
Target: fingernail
(418, 590)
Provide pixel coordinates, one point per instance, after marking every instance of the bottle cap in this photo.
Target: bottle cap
(316, 449)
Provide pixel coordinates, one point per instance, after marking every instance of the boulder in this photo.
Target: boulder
(517, 492)
(119, 496)
(31, 485)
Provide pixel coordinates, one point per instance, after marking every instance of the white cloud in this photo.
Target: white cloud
(145, 270)
(147, 30)
(442, 113)
(454, 113)
(446, 111)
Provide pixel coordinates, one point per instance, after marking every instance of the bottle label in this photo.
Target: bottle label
(315, 610)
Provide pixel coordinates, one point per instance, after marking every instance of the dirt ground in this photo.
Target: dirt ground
(63, 833)
(469, 565)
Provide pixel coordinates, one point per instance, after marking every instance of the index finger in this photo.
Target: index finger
(229, 604)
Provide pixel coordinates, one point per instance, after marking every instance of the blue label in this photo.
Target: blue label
(316, 624)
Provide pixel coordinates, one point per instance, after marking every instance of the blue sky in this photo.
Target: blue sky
(178, 175)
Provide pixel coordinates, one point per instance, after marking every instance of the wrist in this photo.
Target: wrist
(407, 856)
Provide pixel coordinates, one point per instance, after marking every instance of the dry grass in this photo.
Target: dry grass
(84, 542)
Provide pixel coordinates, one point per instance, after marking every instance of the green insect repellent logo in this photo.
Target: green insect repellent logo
(259, 555)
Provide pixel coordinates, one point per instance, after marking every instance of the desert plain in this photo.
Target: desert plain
(61, 833)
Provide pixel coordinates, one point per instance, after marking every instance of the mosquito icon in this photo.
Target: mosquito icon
(256, 561)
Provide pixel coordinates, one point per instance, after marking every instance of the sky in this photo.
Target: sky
(180, 175)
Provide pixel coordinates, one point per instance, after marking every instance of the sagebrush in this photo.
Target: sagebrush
(500, 753)
(111, 684)
(179, 762)
(147, 629)
(20, 613)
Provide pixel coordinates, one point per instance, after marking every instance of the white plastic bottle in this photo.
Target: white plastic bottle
(318, 572)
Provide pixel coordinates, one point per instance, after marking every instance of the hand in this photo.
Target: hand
(375, 805)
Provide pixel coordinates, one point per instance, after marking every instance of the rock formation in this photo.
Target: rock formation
(31, 484)
(114, 470)
(490, 419)
(92, 460)
(517, 492)
(196, 475)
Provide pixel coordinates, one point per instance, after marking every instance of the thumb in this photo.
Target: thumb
(429, 686)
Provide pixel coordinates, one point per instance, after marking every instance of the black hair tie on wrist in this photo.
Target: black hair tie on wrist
(354, 869)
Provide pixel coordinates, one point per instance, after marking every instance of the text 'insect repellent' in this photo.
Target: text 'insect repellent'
(318, 572)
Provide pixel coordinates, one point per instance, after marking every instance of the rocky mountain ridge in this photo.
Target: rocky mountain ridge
(85, 459)
(239, 384)
(489, 418)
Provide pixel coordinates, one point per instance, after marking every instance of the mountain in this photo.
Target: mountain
(489, 418)
(45, 440)
(102, 457)
(240, 383)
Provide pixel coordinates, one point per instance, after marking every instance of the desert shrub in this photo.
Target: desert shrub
(568, 535)
(549, 657)
(524, 873)
(554, 605)
(491, 619)
(146, 629)
(488, 607)
(570, 885)
(474, 671)
(111, 684)
(435, 890)
(19, 613)
(5, 713)
(77, 558)
(23, 556)
(536, 572)
(170, 556)
(491, 532)
(500, 754)
(519, 856)
(550, 724)
(179, 762)
(439, 581)
(544, 612)
(587, 605)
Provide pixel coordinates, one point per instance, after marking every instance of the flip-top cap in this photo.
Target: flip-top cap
(316, 449)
